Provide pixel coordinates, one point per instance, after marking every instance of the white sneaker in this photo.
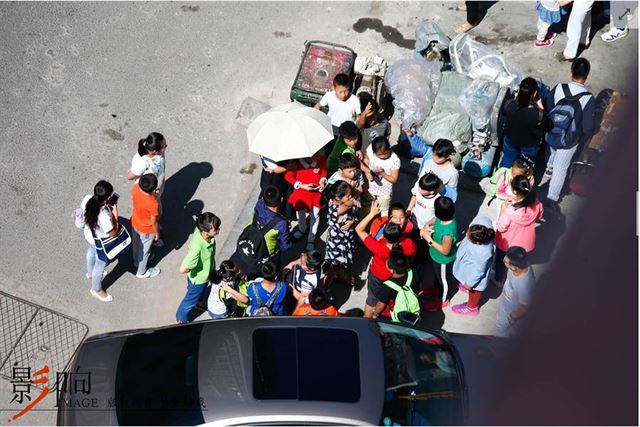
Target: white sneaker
(614, 34)
(158, 243)
(151, 272)
(108, 298)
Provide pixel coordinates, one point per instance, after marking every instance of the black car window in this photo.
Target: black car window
(157, 378)
(319, 364)
(422, 383)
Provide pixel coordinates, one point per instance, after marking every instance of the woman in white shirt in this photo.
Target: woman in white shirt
(101, 220)
(150, 158)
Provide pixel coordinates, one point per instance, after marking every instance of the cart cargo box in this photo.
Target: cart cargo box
(321, 62)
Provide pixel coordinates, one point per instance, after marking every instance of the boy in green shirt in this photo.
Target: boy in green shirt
(347, 142)
(199, 262)
(441, 236)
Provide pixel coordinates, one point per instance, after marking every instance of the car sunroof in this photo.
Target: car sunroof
(320, 364)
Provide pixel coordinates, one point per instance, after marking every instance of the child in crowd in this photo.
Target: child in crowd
(150, 158)
(220, 304)
(144, 221)
(425, 192)
(273, 174)
(441, 235)
(499, 185)
(372, 124)
(549, 12)
(516, 225)
(341, 219)
(303, 274)
(441, 165)
(343, 105)
(397, 215)
(349, 172)
(473, 264)
(320, 304)
(402, 279)
(347, 143)
(382, 170)
(381, 249)
(308, 181)
(264, 295)
(517, 292)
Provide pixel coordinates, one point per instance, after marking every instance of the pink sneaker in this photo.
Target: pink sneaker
(464, 310)
(547, 42)
(463, 289)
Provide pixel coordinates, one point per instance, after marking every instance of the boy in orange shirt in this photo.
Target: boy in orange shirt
(320, 304)
(144, 220)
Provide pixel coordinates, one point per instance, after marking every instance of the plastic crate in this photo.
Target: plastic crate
(321, 62)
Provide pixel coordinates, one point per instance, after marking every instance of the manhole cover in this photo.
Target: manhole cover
(32, 336)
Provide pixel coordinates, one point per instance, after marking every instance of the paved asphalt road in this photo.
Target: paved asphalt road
(82, 82)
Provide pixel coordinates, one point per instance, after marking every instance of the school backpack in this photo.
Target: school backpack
(265, 309)
(251, 251)
(567, 120)
(406, 300)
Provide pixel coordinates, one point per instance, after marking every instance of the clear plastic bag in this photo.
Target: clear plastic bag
(427, 32)
(477, 60)
(478, 99)
(413, 84)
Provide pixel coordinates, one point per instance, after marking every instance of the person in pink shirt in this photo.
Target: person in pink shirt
(516, 225)
(504, 193)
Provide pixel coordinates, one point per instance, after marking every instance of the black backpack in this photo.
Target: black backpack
(251, 251)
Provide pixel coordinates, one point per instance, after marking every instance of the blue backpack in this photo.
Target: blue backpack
(567, 120)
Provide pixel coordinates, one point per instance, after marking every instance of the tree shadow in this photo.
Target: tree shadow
(178, 208)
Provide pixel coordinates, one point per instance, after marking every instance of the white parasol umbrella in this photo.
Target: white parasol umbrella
(291, 131)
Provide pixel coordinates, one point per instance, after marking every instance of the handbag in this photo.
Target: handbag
(110, 248)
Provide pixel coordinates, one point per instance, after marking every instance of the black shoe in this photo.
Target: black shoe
(552, 209)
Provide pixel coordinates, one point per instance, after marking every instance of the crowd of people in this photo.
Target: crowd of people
(420, 257)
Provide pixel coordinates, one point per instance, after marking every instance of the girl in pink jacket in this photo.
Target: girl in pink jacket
(516, 225)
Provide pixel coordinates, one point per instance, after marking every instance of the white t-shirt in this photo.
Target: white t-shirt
(424, 208)
(105, 222)
(448, 175)
(380, 186)
(214, 303)
(141, 165)
(341, 111)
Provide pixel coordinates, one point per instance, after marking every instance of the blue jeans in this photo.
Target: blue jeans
(95, 268)
(194, 292)
(511, 153)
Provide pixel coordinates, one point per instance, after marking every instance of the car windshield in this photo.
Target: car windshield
(318, 364)
(422, 383)
(157, 378)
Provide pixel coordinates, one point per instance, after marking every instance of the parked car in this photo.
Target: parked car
(268, 371)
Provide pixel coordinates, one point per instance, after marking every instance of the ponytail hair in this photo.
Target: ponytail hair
(526, 92)
(153, 142)
(206, 221)
(481, 234)
(522, 187)
(337, 189)
(102, 191)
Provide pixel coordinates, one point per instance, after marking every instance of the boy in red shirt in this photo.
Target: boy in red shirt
(381, 249)
(144, 220)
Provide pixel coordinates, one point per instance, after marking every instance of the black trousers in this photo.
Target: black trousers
(475, 11)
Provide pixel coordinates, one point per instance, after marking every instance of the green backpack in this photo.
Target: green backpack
(493, 182)
(406, 300)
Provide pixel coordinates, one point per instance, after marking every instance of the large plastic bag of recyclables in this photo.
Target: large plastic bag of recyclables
(478, 99)
(427, 32)
(413, 84)
(476, 60)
